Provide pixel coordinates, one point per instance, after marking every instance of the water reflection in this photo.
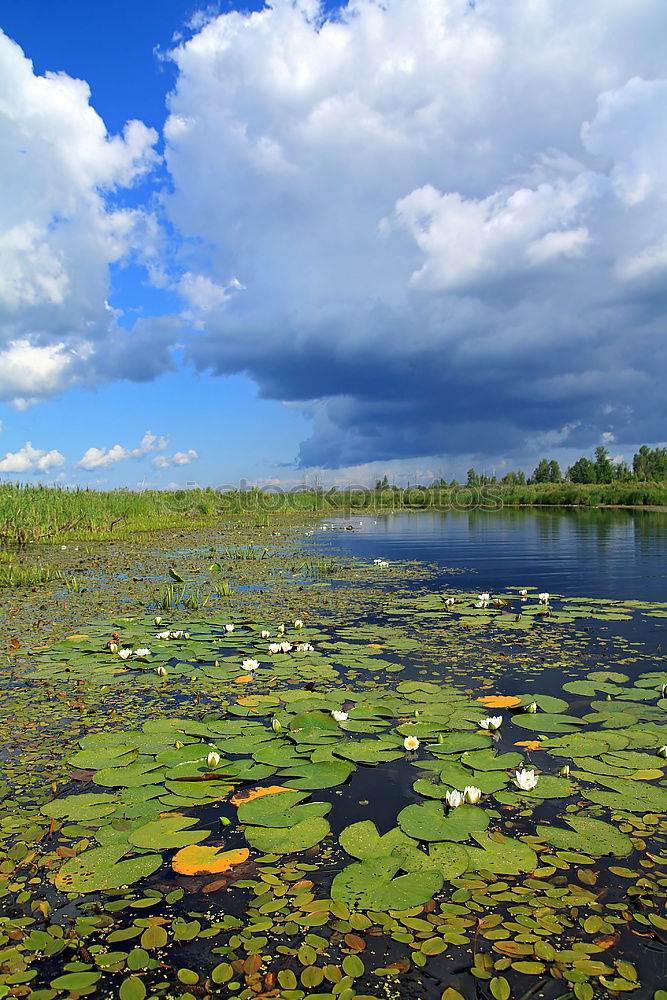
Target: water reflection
(609, 553)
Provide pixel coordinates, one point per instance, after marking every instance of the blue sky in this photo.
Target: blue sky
(403, 236)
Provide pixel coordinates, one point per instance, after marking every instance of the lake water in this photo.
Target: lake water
(604, 553)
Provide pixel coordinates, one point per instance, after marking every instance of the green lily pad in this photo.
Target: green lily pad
(288, 840)
(430, 822)
(371, 885)
(589, 836)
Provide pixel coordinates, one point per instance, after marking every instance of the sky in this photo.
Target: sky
(296, 242)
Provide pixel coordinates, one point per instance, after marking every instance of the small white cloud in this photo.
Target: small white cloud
(102, 458)
(178, 458)
(29, 459)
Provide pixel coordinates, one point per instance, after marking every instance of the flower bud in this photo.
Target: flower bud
(161, 671)
(276, 726)
(179, 745)
(213, 759)
(662, 752)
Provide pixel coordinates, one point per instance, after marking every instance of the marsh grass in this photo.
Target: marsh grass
(27, 576)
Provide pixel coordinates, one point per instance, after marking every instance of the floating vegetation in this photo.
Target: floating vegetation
(303, 802)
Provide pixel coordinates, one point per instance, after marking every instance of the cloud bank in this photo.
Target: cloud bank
(60, 231)
(437, 226)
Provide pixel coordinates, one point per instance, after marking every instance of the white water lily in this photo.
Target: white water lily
(564, 771)
(448, 602)
(663, 691)
(157, 620)
(113, 647)
(162, 635)
(383, 564)
(125, 654)
(285, 647)
(662, 751)
(177, 634)
(274, 647)
(298, 623)
(543, 598)
(265, 634)
(281, 630)
(525, 779)
(229, 627)
(142, 652)
(213, 759)
(304, 647)
(276, 726)
(491, 723)
(411, 743)
(251, 665)
(161, 671)
(532, 708)
(472, 794)
(339, 716)
(454, 799)
(523, 593)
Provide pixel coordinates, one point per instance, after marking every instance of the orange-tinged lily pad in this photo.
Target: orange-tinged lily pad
(256, 793)
(500, 700)
(198, 860)
(77, 636)
(529, 744)
(244, 679)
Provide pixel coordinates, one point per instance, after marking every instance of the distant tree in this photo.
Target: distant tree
(541, 473)
(473, 478)
(583, 471)
(640, 462)
(521, 478)
(509, 479)
(623, 472)
(555, 475)
(604, 469)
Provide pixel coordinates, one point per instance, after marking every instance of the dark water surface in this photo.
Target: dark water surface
(603, 553)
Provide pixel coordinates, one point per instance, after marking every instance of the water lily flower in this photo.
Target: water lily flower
(285, 647)
(523, 593)
(383, 564)
(564, 771)
(543, 598)
(229, 627)
(491, 723)
(662, 751)
(484, 597)
(663, 691)
(178, 745)
(265, 634)
(125, 654)
(213, 759)
(275, 647)
(376, 562)
(411, 743)
(298, 623)
(276, 726)
(162, 635)
(142, 652)
(250, 665)
(113, 647)
(157, 620)
(304, 647)
(161, 671)
(281, 630)
(532, 708)
(454, 799)
(472, 794)
(525, 779)
(449, 601)
(177, 634)
(339, 716)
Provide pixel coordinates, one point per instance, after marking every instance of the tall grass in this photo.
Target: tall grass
(27, 576)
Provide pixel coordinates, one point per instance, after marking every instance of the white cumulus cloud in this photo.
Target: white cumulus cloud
(447, 218)
(59, 228)
(178, 458)
(103, 458)
(29, 459)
